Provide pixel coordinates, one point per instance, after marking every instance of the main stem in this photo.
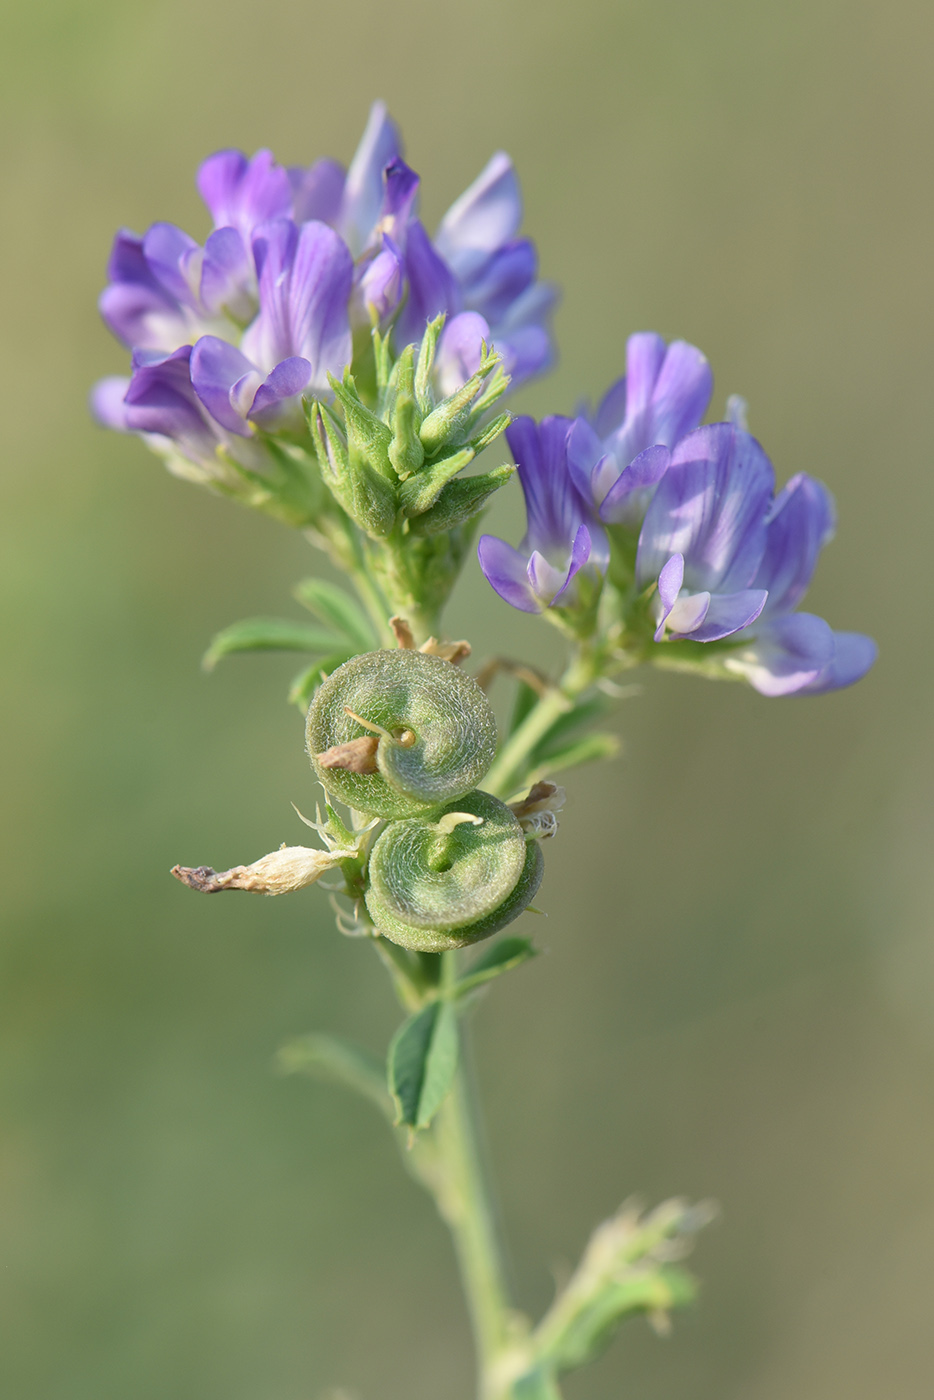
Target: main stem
(466, 1206)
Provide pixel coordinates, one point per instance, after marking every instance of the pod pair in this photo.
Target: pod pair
(407, 737)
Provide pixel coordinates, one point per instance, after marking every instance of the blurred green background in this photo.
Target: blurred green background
(738, 995)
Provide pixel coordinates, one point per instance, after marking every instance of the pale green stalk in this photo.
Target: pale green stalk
(510, 770)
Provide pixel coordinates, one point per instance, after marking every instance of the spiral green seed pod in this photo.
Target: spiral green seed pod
(447, 883)
(430, 728)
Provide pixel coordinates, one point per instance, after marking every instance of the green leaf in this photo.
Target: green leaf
(535, 1385)
(327, 1057)
(422, 1062)
(332, 605)
(586, 750)
(306, 682)
(525, 702)
(502, 957)
(595, 1326)
(267, 634)
(582, 713)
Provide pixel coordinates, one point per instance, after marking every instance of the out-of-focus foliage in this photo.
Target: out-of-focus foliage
(753, 995)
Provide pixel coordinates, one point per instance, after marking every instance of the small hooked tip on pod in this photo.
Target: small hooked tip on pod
(453, 881)
(395, 733)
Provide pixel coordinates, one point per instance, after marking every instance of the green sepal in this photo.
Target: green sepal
(425, 363)
(406, 452)
(382, 359)
(304, 685)
(422, 1063)
(460, 500)
(330, 1058)
(502, 957)
(448, 425)
(364, 493)
(491, 432)
(420, 492)
(338, 609)
(267, 634)
(368, 437)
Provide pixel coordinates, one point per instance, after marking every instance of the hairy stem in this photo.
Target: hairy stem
(464, 1202)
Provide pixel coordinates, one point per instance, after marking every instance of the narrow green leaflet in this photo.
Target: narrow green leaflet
(586, 750)
(525, 702)
(268, 634)
(338, 610)
(502, 957)
(565, 725)
(421, 1063)
(306, 682)
(327, 1057)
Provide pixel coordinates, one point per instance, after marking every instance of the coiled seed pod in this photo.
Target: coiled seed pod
(427, 734)
(447, 883)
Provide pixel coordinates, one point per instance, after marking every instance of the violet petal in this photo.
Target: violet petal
(505, 569)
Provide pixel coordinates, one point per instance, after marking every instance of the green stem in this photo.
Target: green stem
(511, 769)
(464, 1202)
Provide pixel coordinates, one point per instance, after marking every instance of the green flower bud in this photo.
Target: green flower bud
(365, 494)
(459, 501)
(449, 424)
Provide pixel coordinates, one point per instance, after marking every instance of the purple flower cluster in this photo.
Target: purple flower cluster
(691, 515)
(228, 336)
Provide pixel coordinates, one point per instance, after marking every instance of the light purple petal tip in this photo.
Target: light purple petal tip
(627, 499)
(786, 655)
(711, 506)
(432, 288)
(486, 216)
(317, 191)
(287, 381)
(242, 193)
(853, 656)
(216, 367)
(505, 569)
(670, 579)
(363, 189)
(458, 355)
(726, 614)
(107, 402)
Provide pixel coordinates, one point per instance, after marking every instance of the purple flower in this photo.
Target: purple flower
(165, 289)
(160, 404)
(731, 561)
(615, 459)
(496, 272)
(796, 651)
(301, 334)
(561, 537)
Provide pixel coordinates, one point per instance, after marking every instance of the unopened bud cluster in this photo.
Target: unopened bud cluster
(396, 466)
